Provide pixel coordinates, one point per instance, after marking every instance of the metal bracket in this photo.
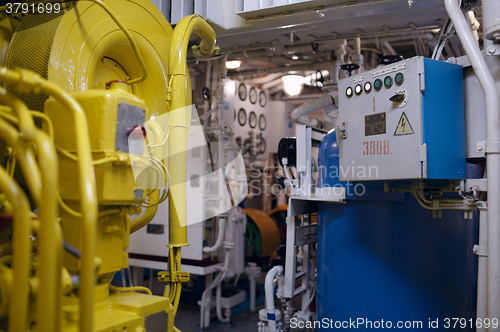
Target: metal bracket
(471, 185)
(493, 147)
(182, 276)
(480, 251)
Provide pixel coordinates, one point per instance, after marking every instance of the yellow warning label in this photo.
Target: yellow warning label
(404, 126)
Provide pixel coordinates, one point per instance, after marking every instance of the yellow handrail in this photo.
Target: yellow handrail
(87, 188)
(18, 310)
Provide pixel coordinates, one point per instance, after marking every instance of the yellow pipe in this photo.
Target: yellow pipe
(21, 248)
(179, 121)
(29, 168)
(179, 94)
(48, 303)
(114, 289)
(147, 216)
(87, 186)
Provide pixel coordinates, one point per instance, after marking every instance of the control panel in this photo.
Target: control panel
(402, 121)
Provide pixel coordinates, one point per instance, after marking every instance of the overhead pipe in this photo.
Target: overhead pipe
(282, 69)
(299, 114)
(492, 151)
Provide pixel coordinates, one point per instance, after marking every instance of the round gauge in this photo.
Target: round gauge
(262, 122)
(242, 91)
(348, 92)
(242, 117)
(263, 146)
(368, 87)
(252, 95)
(378, 84)
(262, 99)
(358, 89)
(252, 119)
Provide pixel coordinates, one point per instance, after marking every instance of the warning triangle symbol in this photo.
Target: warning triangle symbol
(404, 126)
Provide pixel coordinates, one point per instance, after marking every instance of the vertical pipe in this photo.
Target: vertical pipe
(50, 248)
(482, 274)
(251, 279)
(357, 57)
(208, 78)
(492, 152)
(18, 310)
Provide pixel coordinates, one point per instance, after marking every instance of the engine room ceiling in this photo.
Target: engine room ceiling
(346, 20)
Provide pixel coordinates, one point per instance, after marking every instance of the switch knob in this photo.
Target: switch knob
(398, 97)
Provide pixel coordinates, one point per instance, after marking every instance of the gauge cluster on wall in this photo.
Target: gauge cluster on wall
(247, 109)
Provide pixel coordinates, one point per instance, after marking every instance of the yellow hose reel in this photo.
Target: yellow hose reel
(84, 48)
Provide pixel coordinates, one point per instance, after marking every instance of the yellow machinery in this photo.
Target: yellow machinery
(77, 85)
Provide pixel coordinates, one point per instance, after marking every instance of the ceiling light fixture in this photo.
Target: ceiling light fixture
(293, 85)
(234, 64)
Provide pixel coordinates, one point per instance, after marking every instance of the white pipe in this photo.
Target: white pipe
(482, 269)
(269, 290)
(218, 305)
(305, 307)
(251, 279)
(492, 152)
(357, 57)
(220, 277)
(220, 237)
(299, 114)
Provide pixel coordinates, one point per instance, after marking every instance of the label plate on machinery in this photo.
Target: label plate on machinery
(306, 235)
(128, 117)
(375, 124)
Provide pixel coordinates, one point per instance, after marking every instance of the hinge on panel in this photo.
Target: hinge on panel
(423, 160)
(422, 81)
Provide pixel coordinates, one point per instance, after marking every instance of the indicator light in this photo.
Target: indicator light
(388, 81)
(349, 92)
(377, 84)
(358, 89)
(399, 78)
(368, 87)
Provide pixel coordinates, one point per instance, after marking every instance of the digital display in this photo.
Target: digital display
(375, 124)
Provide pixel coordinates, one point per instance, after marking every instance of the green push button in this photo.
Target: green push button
(388, 81)
(399, 78)
(377, 84)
